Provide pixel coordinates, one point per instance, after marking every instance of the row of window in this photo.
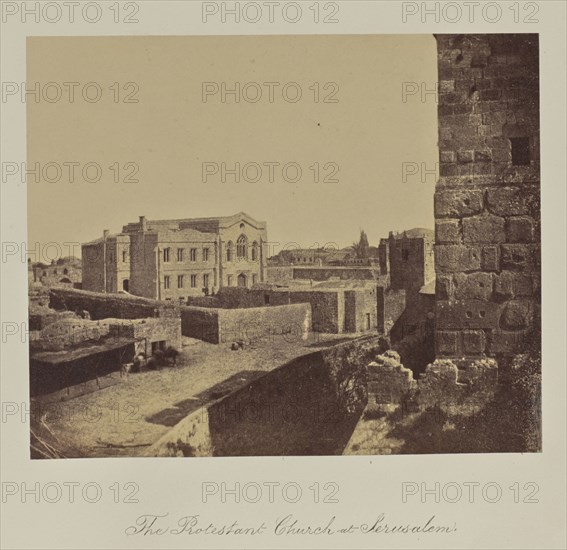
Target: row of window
(65, 272)
(193, 281)
(241, 253)
(181, 254)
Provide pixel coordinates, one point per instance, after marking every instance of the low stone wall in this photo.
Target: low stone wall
(308, 406)
(255, 323)
(102, 305)
(327, 308)
(279, 275)
(342, 273)
(229, 325)
(201, 323)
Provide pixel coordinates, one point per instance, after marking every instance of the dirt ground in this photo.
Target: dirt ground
(128, 416)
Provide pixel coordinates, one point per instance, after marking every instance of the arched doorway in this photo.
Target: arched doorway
(241, 280)
(126, 285)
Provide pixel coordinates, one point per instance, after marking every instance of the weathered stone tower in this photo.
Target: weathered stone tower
(487, 212)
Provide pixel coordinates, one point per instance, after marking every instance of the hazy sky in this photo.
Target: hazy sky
(170, 132)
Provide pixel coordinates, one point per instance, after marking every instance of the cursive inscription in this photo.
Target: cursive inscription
(159, 524)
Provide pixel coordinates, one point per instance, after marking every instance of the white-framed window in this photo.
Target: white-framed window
(193, 281)
(193, 254)
(180, 253)
(206, 254)
(179, 281)
(166, 281)
(166, 252)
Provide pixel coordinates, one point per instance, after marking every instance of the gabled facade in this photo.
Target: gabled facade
(176, 259)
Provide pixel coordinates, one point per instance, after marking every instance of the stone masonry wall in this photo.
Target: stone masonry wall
(102, 306)
(487, 199)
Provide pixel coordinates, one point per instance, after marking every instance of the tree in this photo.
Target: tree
(361, 248)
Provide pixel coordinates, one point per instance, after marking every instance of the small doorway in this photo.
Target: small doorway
(241, 280)
(126, 285)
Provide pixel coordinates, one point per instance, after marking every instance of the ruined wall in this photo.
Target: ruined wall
(103, 306)
(60, 273)
(487, 198)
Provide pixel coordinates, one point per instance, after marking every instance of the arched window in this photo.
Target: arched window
(241, 246)
(255, 251)
(229, 251)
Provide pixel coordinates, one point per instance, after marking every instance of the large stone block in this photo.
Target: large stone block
(473, 286)
(506, 342)
(447, 342)
(491, 258)
(473, 342)
(453, 258)
(517, 315)
(464, 157)
(447, 156)
(486, 228)
(456, 203)
(513, 201)
(448, 231)
(443, 287)
(520, 257)
(509, 284)
(467, 314)
(520, 229)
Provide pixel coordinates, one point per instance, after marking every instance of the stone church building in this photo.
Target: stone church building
(177, 259)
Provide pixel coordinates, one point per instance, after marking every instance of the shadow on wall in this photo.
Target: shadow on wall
(171, 416)
(308, 406)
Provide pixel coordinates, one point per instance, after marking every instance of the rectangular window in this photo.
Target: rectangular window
(179, 281)
(205, 254)
(193, 254)
(124, 256)
(254, 279)
(180, 252)
(229, 280)
(206, 280)
(166, 281)
(166, 254)
(193, 281)
(520, 151)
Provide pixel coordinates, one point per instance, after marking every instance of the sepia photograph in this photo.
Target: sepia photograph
(283, 245)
